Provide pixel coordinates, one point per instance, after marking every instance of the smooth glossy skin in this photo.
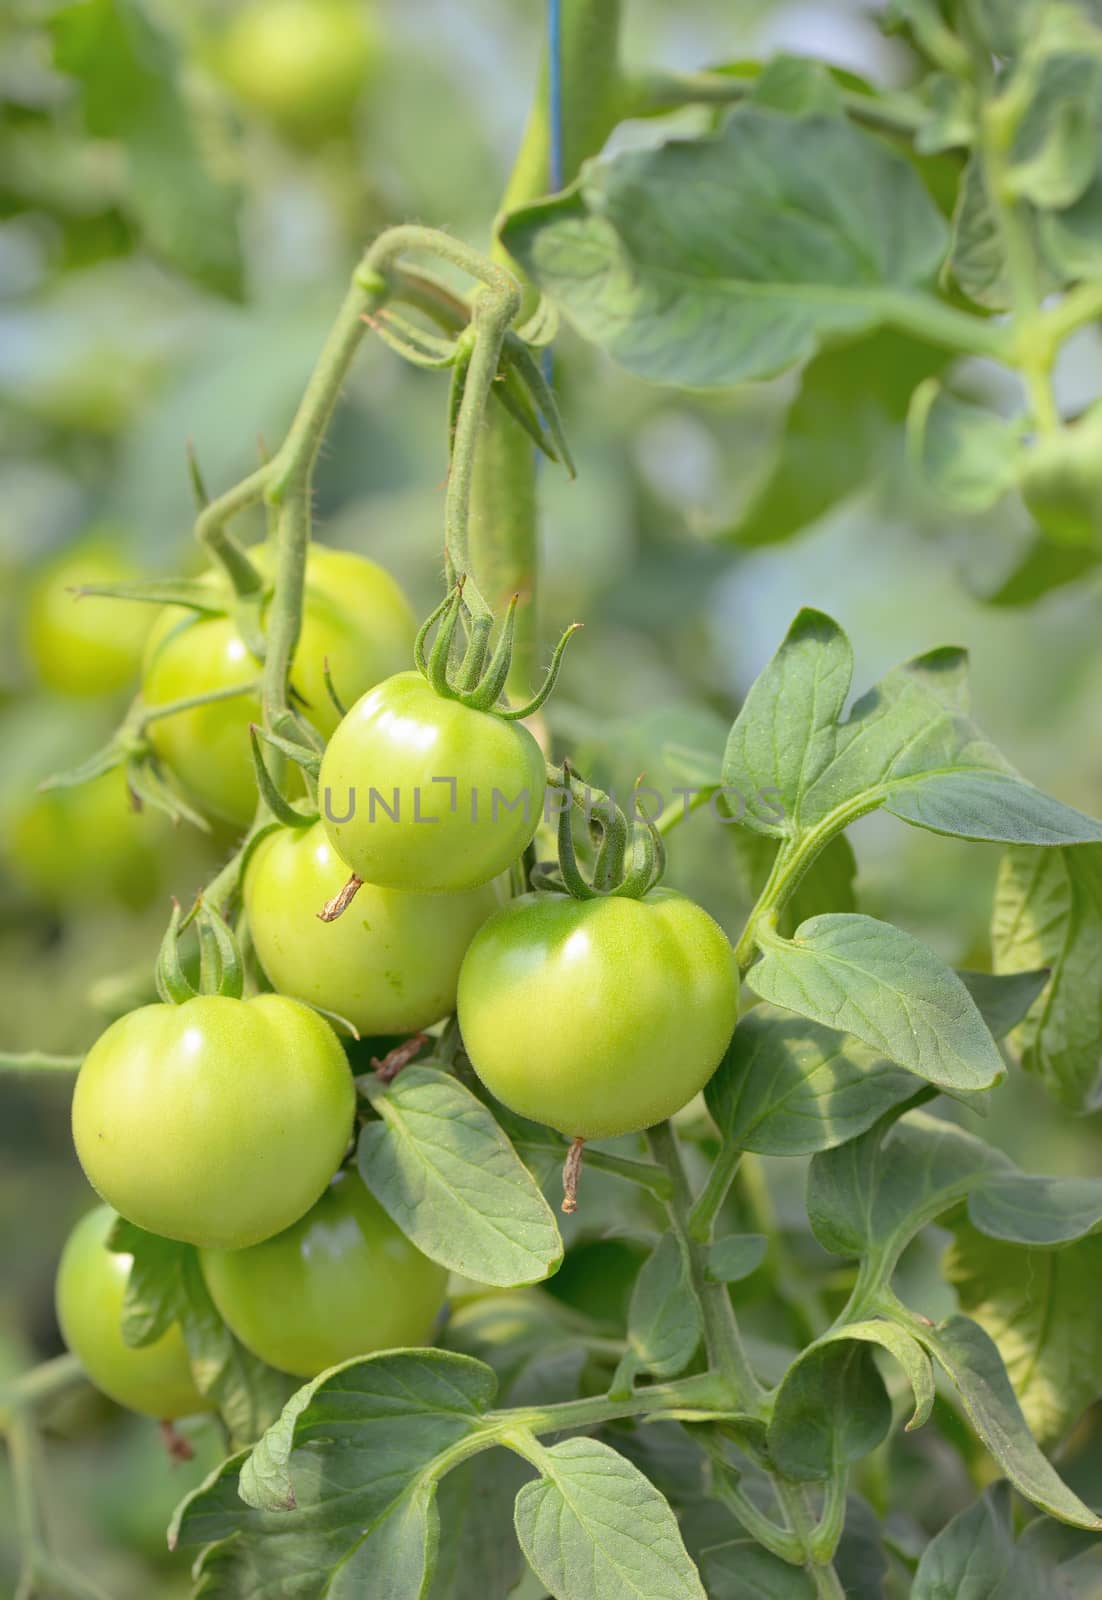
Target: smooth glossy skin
(355, 616)
(303, 63)
(343, 1282)
(218, 1121)
(154, 1379)
(86, 646)
(390, 963)
(597, 1017)
(400, 737)
(76, 846)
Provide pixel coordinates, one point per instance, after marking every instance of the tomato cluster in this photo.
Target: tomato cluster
(224, 1120)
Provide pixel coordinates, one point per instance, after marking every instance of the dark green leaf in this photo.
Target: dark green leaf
(714, 261)
(1040, 1307)
(594, 1528)
(248, 1393)
(789, 1086)
(978, 257)
(886, 988)
(447, 1174)
(343, 1482)
(132, 83)
(971, 1359)
(664, 1316)
(1003, 999)
(479, 1556)
(1048, 912)
(973, 1556)
(154, 1290)
(832, 1407)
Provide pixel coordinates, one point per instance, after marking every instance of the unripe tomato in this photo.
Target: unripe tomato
(355, 616)
(77, 845)
(1061, 481)
(597, 1017)
(425, 794)
(218, 1121)
(304, 63)
(90, 645)
(343, 1282)
(390, 964)
(91, 1286)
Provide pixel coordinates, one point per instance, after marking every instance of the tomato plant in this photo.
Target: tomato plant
(604, 1131)
(597, 1017)
(390, 965)
(343, 1281)
(91, 1285)
(355, 618)
(218, 1121)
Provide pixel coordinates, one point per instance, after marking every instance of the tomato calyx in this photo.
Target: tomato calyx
(221, 969)
(479, 679)
(629, 860)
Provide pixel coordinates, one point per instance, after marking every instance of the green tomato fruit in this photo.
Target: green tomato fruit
(1061, 481)
(355, 617)
(91, 1285)
(303, 63)
(390, 964)
(343, 1282)
(72, 847)
(424, 794)
(91, 645)
(219, 1121)
(597, 1017)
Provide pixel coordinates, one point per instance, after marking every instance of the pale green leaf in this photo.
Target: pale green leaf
(444, 1170)
(962, 454)
(664, 1316)
(594, 1528)
(736, 1256)
(718, 260)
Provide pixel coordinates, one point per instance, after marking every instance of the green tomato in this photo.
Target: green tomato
(1061, 481)
(74, 846)
(597, 1017)
(92, 645)
(91, 1285)
(424, 794)
(303, 63)
(219, 1121)
(343, 1282)
(355, 617)
(390, 964)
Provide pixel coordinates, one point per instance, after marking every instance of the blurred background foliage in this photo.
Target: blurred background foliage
(183, 191)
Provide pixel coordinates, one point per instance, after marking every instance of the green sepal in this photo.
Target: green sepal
(270, 792)
(173, 984)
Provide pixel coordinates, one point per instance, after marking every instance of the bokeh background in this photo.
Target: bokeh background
(168, 268)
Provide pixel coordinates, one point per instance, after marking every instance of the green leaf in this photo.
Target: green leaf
(1003, 999)
(132, 86)
(739, 1569)
(871, 1196)
(785, 735)
(1072, 239)
(1058, 78)
(973, 1557)
(664, 1326)
(887, 989)
(972, 1361)
(908, 745)
(977, 259)
(832, 1407)
(827, 885)
(736, 1256)
(154, 1289)
(1048, 912)
(248, 1393)
(797, 85)
(479, 1555)
(1040, 1307)
(339, 1493)
(951, 119)
(1043, 566)
(593, 1528)
(533, 1342)
(447, 1174)
(788, 1086)
(715, 261)
(839, 435)
(962, 454)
